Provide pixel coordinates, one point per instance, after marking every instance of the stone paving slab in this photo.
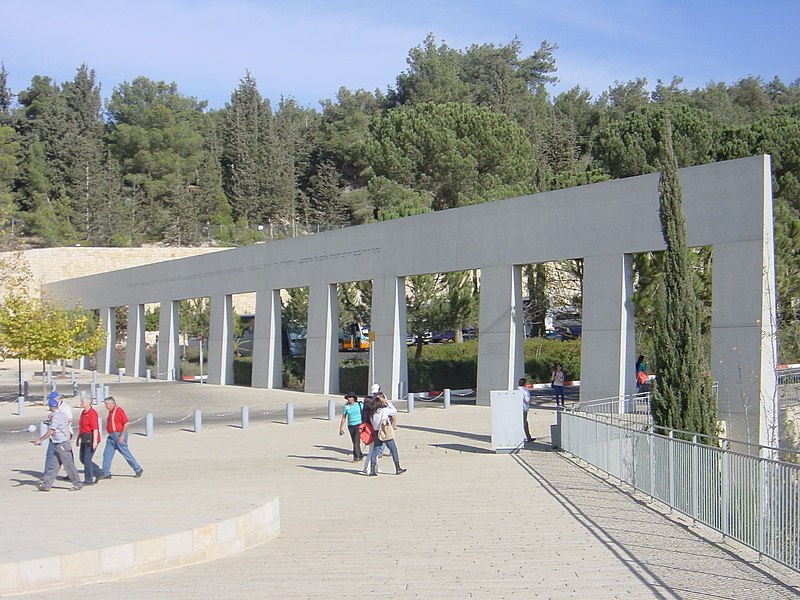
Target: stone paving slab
(462, 523)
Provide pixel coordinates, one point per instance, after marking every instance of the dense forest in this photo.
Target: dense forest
(457, 127)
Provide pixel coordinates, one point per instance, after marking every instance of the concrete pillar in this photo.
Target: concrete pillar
(267, 341)
(502, 333)
(107, 356)
(608, 352)
(743, 338)
(389, 352)
(135, 363)
(168, 326)
(220, 340)
(322, 350)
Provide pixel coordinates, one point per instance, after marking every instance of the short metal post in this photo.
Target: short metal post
(245, 417)
(148, 424)
(25, 389)
(106, 392)
(198, 420)
(74, 388)
(42, 429)
(147, 375)
(289, 413)
(94, 377)
(331, 410)
(410, 402)
(20, 405)
(120, 375)
(73, 377)
(447, 398)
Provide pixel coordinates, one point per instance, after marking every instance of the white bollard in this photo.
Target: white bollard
(447, 398)
(20, 405)
(148, 424)
(331, 410)
(147, 375)
(198, 421)
(245, 417)
(42, 429)
(289, 413)
(410, 402)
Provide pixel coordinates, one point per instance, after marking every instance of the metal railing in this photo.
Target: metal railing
(749, 496)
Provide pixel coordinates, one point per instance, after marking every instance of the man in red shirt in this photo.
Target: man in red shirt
(88, 440)
(117, 440)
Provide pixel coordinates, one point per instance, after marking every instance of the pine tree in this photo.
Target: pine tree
(682, 397)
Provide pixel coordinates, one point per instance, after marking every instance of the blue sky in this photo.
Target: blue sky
(308, 49)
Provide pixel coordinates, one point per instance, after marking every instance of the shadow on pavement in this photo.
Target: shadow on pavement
(464, 434)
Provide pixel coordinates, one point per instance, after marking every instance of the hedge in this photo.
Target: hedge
(453, 366)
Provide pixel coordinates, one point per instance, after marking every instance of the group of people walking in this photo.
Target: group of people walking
(372, 425)
(59, 451)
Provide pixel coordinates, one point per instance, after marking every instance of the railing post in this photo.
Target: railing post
(695, 478)
(447, 398)
(410, 402)
(198, 420)
(148, 424)
(671, 469)
(725, 491)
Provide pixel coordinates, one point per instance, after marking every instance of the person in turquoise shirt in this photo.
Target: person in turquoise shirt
(351, 413)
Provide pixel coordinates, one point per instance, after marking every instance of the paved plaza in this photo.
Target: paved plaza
(463, 522)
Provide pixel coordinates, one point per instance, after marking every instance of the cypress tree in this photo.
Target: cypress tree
(682, 397)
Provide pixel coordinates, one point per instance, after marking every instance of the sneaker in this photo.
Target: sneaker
(138, 473)
(373, 474)
(100, 477)
(76, 488)
(401, 471)
(42, 487)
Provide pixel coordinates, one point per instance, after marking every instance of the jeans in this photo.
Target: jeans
(528, 436)
(356, 438)
(558, 390)
(377, 450)
(115, 444)
(62, 456)
(90, 470)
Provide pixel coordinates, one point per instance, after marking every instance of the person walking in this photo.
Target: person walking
(352, 415)
(641, 375)
(63, 407)
(58, 433)
(381, 422)
(88, 440)
(526, 404)
(557, 383)
(117, 440)
(368, 434)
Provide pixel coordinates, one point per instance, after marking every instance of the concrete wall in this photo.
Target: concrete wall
(727, 205)
(47, 265)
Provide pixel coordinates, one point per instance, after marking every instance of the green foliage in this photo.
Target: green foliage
(630, 146)
(459, 153)
(682, 398)
(295, 308)
(195, 317)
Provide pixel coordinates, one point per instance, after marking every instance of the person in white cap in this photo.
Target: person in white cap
(374, 389)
